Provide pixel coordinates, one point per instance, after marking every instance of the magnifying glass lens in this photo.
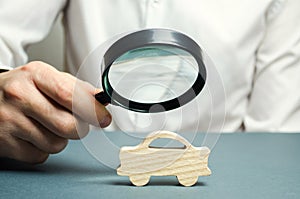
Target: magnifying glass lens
(153, 74)
(152, 70)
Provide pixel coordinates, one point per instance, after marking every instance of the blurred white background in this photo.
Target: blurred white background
(50, 50)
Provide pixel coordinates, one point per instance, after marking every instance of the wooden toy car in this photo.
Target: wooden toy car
(143, 161)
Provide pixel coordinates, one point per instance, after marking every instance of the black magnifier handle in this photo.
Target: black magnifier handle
(103, 98)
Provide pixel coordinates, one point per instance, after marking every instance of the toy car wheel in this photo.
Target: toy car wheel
(187, 180)
(139, 180)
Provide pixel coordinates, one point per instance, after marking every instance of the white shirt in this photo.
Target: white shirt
(255, 46)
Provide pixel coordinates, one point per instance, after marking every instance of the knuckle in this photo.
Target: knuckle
(37, 157)
(13, 91)
(67, 127)
(5, 116)
(40, 158)
(33, 66)
(62, 92)
(58, 145)
(28, 67)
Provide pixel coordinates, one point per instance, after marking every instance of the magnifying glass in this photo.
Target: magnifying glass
(151, 71)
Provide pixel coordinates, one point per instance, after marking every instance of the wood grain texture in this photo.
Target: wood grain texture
(142, 161)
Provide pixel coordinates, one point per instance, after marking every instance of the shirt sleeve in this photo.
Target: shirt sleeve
(274, 104)
(23, 23)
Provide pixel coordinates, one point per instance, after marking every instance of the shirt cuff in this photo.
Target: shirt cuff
(4, 68)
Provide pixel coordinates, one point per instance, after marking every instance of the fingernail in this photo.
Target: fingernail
(105, 121)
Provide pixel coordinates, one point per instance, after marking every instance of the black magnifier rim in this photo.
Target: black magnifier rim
(151, 37)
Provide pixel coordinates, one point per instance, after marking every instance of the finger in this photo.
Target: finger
(85, 105)
(23, 151)
(31, 131)
(48, 113)
(82, 128)
(73, 94)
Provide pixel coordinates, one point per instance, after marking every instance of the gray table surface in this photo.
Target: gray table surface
(251, 165)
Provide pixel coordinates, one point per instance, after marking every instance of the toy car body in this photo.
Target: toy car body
(141, 162)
